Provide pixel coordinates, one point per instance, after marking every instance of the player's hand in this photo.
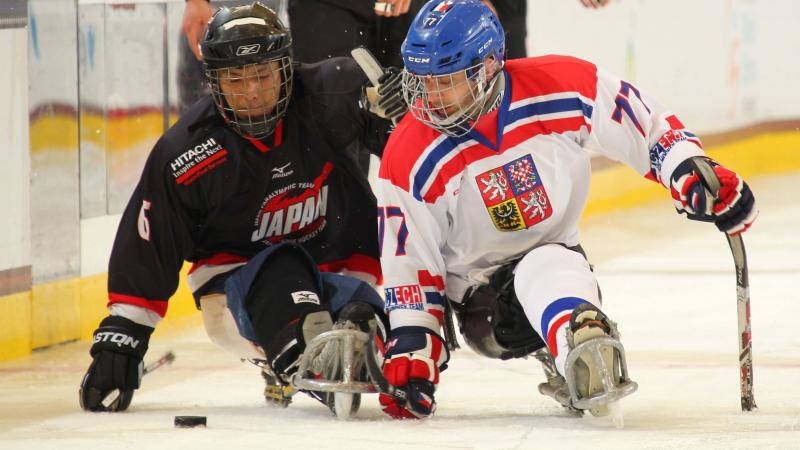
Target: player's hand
(196, 15)
(116, 369)
(386, 99)
(733, 211)
(412, 363)
(594, 3)
(391, 8)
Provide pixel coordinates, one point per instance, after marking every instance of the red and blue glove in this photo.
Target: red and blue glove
(734, 208)
(413, 359)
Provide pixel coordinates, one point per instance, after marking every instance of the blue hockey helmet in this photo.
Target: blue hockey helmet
(453, 54)
(451, 35)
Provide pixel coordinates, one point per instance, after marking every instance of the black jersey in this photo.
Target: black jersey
(209, 196)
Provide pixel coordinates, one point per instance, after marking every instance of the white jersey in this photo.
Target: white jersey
(451, 210)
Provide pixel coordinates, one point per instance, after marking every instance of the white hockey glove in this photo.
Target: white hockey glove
(386, 99)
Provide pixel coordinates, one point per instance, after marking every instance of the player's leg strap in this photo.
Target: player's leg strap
(492, 320)
(277, 301)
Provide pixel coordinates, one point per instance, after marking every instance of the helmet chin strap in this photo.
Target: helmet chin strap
(496, 88)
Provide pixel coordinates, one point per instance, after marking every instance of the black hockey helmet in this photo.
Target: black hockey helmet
(242, 37)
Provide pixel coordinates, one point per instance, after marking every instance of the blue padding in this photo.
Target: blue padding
(238, 285)
(341, 289)
(347, 289)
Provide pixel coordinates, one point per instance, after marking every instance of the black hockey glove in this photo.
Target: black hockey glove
(733, 211)
(386, 99)
(116, 369)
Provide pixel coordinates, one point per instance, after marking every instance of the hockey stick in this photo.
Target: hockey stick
(370, 66)
(376, 373)
(709, 179)
(114, 395)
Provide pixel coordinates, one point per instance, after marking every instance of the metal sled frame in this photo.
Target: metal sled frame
(613, 389)
(352, 344)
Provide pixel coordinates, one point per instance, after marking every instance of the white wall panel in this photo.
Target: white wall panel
(15, 239)
(719, 64)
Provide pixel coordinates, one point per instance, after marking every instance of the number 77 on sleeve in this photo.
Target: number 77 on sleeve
(393, 213)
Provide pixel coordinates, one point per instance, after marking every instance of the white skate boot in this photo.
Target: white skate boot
(596, 369)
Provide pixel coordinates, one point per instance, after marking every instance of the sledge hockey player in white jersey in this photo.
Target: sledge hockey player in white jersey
(479, 194)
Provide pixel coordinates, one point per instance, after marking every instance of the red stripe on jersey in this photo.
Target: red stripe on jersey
(405, 146)
(218, 260)
(183, 179)
(530, 77)
(551, 74)
(258, 144)
(426, 279)
(157, 306)
(456, 165)
(355, 263)
(552, 344)
(439, 314)
(278, 134)
(276, 141)
(674, 123)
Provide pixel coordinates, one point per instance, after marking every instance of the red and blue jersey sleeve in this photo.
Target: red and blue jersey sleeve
(631, 127)
(411, 235)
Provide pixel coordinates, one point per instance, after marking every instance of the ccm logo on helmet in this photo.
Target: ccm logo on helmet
(485, 46)
(248, 49)
(414, 59)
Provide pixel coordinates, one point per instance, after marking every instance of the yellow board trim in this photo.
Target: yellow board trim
(15, 325)
(55, 315)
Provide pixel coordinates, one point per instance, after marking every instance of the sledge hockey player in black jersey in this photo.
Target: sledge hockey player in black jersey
(257, 186)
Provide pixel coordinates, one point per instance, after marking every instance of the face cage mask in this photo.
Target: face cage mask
(247, 120)
(432, 110)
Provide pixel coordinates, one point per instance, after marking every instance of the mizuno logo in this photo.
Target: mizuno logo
(305, 297)
(251, 49)
(280, 172)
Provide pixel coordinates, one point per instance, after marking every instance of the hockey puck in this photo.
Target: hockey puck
(190, 421)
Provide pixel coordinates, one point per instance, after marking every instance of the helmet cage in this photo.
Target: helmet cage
(443, 103)
(256, 120)
(238, 44)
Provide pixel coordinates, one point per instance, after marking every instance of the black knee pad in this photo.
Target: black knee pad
(286, 306)
(493, 322)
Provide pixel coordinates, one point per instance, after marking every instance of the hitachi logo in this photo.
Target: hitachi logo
(192, 153)
(116, 338)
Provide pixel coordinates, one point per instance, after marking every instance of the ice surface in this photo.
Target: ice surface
(668, 283)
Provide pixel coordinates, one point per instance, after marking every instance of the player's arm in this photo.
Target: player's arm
(341, 84)
(631, 127)
(143, 273)
(411, 233)
(196, 15)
